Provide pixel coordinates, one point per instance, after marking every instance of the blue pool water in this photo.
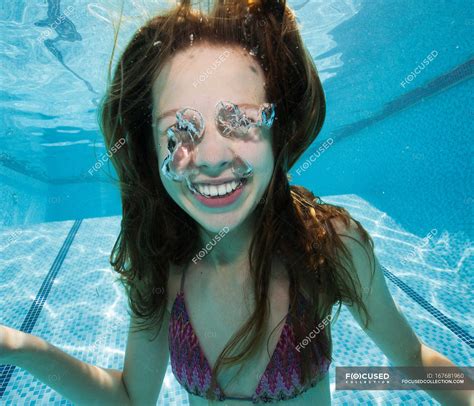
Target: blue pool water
(395, 151)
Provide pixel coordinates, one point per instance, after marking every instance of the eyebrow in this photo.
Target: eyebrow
(166, 114)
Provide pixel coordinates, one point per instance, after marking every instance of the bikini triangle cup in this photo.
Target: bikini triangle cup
(193, 371)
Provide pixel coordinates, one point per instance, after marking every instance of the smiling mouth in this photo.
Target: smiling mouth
(216, 191)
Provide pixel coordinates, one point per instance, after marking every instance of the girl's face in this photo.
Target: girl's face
(200, 77)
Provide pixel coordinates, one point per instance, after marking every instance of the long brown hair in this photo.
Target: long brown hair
(292, 222)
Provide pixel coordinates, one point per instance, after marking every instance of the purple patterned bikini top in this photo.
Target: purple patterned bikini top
(280, 381)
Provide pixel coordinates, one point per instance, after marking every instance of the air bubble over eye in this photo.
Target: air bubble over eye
(171, 144)
(191, 122)
(186, 131)
(234, 122)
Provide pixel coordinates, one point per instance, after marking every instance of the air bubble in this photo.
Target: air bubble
(254, 51)
(185, 135)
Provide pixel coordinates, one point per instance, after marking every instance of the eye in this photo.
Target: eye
(235, 121)
(188, 127)
(177, 135)
(171, 144)
(190, 120)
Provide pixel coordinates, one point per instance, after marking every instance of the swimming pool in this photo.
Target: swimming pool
(395, 151)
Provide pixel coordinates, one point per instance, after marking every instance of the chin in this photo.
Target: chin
(215, 223)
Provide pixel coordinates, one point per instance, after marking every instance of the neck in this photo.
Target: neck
(230, 253)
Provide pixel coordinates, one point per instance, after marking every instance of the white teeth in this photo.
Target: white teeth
(217, 190)
(222, 190)
(213, 190)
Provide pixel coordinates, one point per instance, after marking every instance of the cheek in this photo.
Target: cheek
(161, 149)
(174, 189)
(260, 155)
(161, 153)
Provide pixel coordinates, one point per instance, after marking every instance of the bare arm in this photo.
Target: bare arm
(145, 364)
(86, 384)
(78, 381)
(389, 329)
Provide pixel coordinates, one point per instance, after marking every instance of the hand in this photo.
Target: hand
(10, 342)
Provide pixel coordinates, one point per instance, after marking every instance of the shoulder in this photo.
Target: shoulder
(357, 254)
(352, 233)
(346, 226)
(379, 317)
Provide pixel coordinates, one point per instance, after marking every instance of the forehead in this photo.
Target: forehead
(203, 75)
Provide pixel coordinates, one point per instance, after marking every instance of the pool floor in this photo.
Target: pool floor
(56, 282)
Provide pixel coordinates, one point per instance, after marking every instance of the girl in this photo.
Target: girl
(230, 272)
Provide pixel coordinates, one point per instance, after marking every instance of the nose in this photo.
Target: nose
(213, 152)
